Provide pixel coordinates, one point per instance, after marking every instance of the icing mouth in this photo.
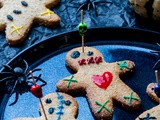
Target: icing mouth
(90, 60)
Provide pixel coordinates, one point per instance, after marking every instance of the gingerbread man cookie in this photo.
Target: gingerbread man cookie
(153, 113)
(57, 106)
(17, 16)
(100, 81)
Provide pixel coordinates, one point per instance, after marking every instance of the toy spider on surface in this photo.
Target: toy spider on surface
(157, 65)
(18, 80)
(86, 3)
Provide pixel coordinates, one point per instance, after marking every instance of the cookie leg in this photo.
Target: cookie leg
(128, 98)
(16, 32)
(102, 107)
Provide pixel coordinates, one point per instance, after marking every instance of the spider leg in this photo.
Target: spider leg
(102, 1)
(7, 78)
(94, 7)
(38, 69)
(40, 79)
(158, 44)
(26, 64)
(13, 88)
(7, 67)
(3, 73)
(89, 5)
(37, 79)
(157, 65)
(16, 99)
(34, 70)
(80, 7)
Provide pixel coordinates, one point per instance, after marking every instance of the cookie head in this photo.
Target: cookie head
(76, 59)
(57, 106)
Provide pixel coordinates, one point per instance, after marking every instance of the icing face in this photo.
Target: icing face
(87, 58)
(100, 81)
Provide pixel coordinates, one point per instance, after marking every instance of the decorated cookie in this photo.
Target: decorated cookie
(57, 106)
(17, 16)
(147, 8)
(153, 90)
(100, 81)
(152, 114)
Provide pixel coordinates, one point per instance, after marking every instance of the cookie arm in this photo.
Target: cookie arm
(70, 85)
(47, 18)
(151, 92)
(124, 67)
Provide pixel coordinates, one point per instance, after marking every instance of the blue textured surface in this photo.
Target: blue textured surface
(54, 69)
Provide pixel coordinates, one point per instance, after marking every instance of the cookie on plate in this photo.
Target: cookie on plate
(153, 113)
(100, 80)
(58, 106)
(17, 17)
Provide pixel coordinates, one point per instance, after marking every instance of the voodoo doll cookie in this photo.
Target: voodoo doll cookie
(154, 113)
(17, 17)
(57, 106)
(153, 90)
(100, 81)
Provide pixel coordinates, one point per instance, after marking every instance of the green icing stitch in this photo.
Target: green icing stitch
(102, 106)
(130, 98)
(123, 65)
(70, 80)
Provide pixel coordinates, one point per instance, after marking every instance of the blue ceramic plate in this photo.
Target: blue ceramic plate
(115, 44)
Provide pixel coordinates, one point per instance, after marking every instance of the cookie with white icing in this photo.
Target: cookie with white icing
(57, 106)
(17, 17)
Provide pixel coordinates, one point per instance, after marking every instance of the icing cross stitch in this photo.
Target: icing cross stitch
(16, 29)
(17, 17)
(49, 12)
(131, 98)
(100, 81)
(70, 80)
(58, 106)
(103, 106)
(148, 117)
(122, 64)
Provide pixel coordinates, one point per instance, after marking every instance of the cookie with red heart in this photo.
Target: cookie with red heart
(100, 81)
(57, 106)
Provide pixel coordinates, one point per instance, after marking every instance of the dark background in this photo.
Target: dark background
(108, 13)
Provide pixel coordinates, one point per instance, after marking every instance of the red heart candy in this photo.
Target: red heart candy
(36, 90)
(103, 81)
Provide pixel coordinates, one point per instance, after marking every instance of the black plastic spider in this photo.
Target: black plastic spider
(157, 65)
(82, 4)
(18, 80)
